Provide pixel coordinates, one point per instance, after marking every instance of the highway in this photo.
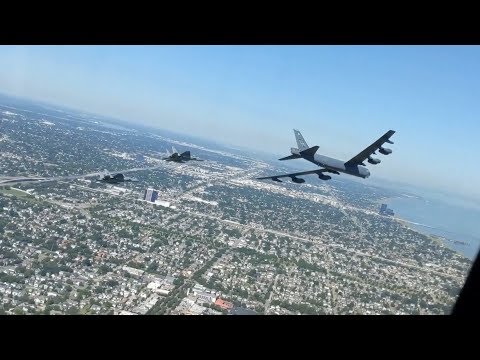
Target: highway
(302, 239)
(11, 181)
(267, 303)
(7, 181)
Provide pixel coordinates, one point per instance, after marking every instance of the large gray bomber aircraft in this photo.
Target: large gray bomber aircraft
(355, 166)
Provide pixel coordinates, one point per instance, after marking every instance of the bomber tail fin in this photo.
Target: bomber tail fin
(303, 148)
(301, 143)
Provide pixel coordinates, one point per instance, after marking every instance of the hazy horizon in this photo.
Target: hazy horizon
(342, 98)
(464, 201)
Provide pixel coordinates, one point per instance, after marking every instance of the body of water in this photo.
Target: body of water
(437, 217)
(114, 126)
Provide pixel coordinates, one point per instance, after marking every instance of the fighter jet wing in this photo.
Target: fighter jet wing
(276, 177)
(364, 154)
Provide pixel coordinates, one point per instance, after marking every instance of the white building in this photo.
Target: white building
(162, 203)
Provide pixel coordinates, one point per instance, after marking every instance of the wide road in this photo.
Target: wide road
(394, 262)
(257, 227)
(267, 303)
(20, 180)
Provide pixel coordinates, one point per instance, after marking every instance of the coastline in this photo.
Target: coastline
(453, 243)
(432, 237)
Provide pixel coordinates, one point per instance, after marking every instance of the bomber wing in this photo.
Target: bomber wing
(367, 152)
(319, 172)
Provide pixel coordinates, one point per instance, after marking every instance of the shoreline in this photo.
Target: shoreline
(441, 240)
(432, 237)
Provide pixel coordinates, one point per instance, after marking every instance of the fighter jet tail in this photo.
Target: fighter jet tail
(104, 173)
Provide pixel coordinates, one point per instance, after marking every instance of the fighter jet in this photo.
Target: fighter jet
(104, 176)
(115, 179)
(180, 158)
(355, 166)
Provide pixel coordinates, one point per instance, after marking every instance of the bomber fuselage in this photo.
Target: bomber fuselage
(334, 164)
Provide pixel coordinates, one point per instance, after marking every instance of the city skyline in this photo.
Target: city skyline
(341, 97)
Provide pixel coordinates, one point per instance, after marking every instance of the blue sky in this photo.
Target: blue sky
(341, 98)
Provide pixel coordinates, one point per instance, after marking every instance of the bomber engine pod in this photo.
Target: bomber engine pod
(373, 161)
(324, 177)
(297, 180)
(385, 151)
(276, 179)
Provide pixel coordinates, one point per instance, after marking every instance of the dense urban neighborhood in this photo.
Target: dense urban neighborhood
(215, 241)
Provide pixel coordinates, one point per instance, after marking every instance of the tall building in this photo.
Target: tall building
(154, 196)
(150, 195)
(383, 208)
(385, 211)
